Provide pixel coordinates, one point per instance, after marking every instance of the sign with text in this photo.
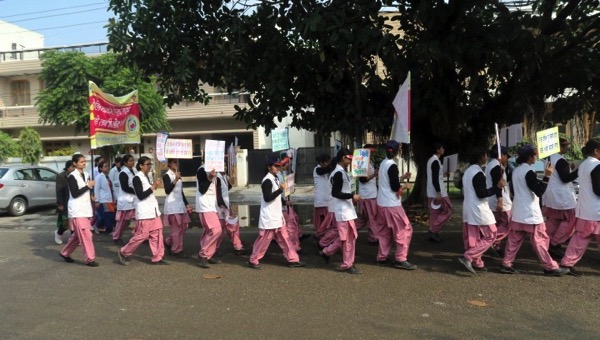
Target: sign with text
(214, 155)
(290, 182)
(280, 139)
(360, 162)
(161, 143)
(450, 163)
(178, 148)
(547, 142)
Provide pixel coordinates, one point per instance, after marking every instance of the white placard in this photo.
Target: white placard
(280, 139)
(178, 148)
(214, 155)
(161, 143)
(450, 163)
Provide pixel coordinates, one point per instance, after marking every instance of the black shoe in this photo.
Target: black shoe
(467, 264)
(218, 254)
(495, 252)
(67, 259)
(214, 261)
(352, 270)
(299, 251)
(434, 237)
(242, 251)
(404, 265)
(296, 264)
(572, 271)
(324, 257)
(383, 263)
(123, 259)
(508, 270)
(556, 251)
(254, 266)
(202, 262)
(118, 242)
(92, 264)
(180, 255)
(304, 236)
(161, 262)
(480, 269)
(560, 271)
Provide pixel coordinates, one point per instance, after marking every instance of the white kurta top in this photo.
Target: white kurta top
(125, 201)
(368, 190)
(431, 192)
(385, 196)
(526, 205)
(271, 216)
(322, 189)
(82, 205)
(148, 207)
(493, 200)
(206, 202)
(343, 208)
(174, 201)
(476, 211)
(558, 195)
(588, 205)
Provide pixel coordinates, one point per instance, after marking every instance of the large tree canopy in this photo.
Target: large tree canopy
(64, 99)
(474, 62)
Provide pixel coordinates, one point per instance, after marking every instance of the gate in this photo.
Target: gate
(257, 168)
(306, 162)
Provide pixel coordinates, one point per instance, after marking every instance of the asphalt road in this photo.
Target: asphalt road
(42, 297)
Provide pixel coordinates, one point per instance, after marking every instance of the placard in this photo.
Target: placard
(161, 144)
(290, 182)
(214, 155)
(360, 162)
(450, 163)
(178, 148)
(547, 142)
(280, 139)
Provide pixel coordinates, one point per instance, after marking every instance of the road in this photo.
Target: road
(45, 298)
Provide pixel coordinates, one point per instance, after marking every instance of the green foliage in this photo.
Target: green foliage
(31, 146)
(66, 151)
(64, 100)
(8, 147)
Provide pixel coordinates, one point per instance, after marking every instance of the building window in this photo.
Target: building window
(20, 92)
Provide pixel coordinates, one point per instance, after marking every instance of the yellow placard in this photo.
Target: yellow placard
(547, 142)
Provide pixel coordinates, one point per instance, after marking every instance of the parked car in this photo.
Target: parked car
(26, 186)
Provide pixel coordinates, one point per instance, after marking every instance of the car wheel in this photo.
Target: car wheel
(17, 206)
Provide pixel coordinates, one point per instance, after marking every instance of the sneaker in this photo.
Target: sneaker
(467, 264)
(92, 264)
(96, 231)
(495, 252)
(404, 265)
(508, 270)
(572, 271)
(67, 259)
(180, 255)
(352, 270)
(434, 237)
(214, 261)
(123, 259)
(254, 266)
(560, 271)
(202, 262)
(57, 238)
(296, 264)
(324, 257)
(161, 262)
(383, 263)
(480, 269)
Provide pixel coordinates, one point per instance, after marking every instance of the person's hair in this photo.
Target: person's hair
(436, 146)
(171, 160)
(368, 146)
(100, 165)
(590, 146)
(389, 153)
(323, 158)
(118, 160)
(97, 159)
(476, 154)
(76, 158)
(126, 159)
(141, 162)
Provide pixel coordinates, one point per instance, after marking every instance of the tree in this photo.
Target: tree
(31, 146)
(8, 147)
(473, 62)
(64, 100)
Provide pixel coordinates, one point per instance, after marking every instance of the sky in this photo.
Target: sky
(62, 22)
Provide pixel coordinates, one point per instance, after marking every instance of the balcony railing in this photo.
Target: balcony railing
(18, 111)
(34, 54)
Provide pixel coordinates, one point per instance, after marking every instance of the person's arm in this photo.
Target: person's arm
(596, 180)
(203, 182)
(267, 187)
(220, 200)
(74, 187)
(536, 186)
(169, 186)
(394, 176)
(336, 189)
(139, 189)
(61, 184)
(185, 201)
(124, 181)
(479, 185)
(564, 171)
(435, 176)
(496, 175)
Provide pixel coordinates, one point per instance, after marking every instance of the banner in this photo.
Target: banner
(290, 181)
(214, 155)
(547, 142)
(360, 162)
(179, 148)
(401, 126)
(113, 120)
(280, 139)
(161, 143)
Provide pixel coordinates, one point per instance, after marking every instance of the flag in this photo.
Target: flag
(401, 127)
(113, 120)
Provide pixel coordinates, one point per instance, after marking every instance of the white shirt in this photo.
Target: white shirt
(113, 174)
(148, 207)
(206, 202)
(368, 190)
(344, 209)
(558, 195)
(431, 192)
(82, 205)
(476, 211)
(125, 201)
(588, 205)
(493, 200)
(385, 196)
(322, 189)
(174, 201)
(526, 204)
(271, 216)
(102, 190)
